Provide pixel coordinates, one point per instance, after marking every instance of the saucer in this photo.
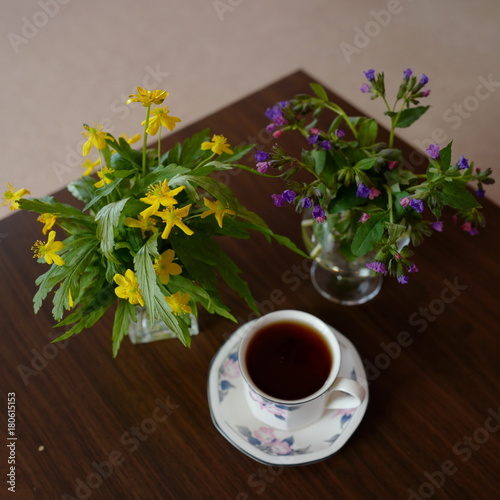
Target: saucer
(235, 421)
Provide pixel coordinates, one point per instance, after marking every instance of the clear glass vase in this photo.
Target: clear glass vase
(144, 330)
(341, 280)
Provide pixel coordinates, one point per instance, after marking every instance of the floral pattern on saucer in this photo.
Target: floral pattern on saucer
(229, 370)
(265, 439)
(266, 444)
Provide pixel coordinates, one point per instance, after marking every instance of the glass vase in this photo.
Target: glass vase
(144, 330)
(340, 279)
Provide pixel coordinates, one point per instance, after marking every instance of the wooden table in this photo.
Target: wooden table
(139, 427)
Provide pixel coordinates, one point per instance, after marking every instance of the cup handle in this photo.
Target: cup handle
(345, 393)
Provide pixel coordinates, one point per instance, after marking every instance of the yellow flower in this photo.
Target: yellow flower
(145, 224)
(160, 116)
(103, 175)
(148, 97)
(178, 303)
(165, 266)
(132, 139)
(71, 302)
(95, 137)
(173, 217)
(128, 287)
(48, 220)
(49, 250)
(11, 196)
(159, 194)
(89, 165)
(218, 145)
(217, 208)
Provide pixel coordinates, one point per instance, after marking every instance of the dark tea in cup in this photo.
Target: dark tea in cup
(288, 360)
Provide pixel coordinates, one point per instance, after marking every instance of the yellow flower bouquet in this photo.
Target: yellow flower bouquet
(147, 233)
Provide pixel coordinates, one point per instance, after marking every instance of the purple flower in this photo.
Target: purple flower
(433, 151)
(340, 133)
(289, 195)
(263, 166)
(261, 156)
(480, 192)
(278, 200)
(378, 267)
(463, 163)
(370, 74)
(274, 112)
(417, 205)
(325, 145)
(313, 139)
(426, 93)
(437, 226)
(403, 279)
(412, 268)
(307, 202)
(407, 73)
(365, 88)
(318, 213)
(363, 190)
(424, 80)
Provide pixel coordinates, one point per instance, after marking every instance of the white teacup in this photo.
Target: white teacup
(329, 391)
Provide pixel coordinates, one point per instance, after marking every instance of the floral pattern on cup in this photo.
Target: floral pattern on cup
(265, 439)
(279, 411)
(229, 369)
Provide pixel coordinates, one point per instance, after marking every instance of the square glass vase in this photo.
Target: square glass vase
(144, 330)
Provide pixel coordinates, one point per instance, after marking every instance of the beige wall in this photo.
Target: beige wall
(65, 62)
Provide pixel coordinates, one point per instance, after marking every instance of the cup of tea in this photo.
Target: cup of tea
(290, 361)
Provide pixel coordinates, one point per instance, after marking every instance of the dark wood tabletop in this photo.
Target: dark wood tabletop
(139, 426)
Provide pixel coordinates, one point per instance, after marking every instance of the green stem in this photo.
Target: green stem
(389, 197)
(159, 143)
(343, 114)
(145, 141)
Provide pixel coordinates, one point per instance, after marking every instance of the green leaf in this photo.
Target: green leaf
(121, 324)
(52, 207)
(319, 91)
(238, 153)
(189, 151)
(83, 189)
(76, 261)
(367, 133)
(125, 156)
(346, 199)
(365, 163)
(204, 267)
(170, 171)
(408, 116)
(445, 157)
(176, 325)
(107, 219)
(102, 192)
(146, 276)
(394, 231)
(88, 314)
(319, 156)
(456, 195)
(80, 249)
(368, 235)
